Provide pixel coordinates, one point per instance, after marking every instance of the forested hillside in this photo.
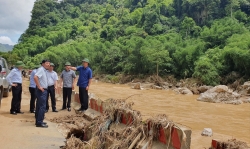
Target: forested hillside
(205, 39)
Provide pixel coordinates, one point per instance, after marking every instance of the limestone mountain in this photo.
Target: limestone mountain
(5, 47)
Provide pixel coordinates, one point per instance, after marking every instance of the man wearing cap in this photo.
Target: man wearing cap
(68, 78)
(32, 89)
(14, 78)
(85, 77)
(41, 81)
(52, 86)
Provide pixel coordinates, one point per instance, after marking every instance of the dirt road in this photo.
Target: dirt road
(19, 131)
(227, 121)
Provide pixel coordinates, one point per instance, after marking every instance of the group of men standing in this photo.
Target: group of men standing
(44, 83)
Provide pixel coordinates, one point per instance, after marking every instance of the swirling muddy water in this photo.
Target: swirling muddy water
(227, 121)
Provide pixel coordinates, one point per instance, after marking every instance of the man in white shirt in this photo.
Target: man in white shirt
(14, 78)
(52, 86)
(41, 81)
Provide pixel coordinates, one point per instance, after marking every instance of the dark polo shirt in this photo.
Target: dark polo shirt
(84, 75)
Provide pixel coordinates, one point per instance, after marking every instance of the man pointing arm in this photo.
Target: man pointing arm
(84, 81)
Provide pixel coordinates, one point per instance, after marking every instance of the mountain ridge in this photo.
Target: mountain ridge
(6, 47)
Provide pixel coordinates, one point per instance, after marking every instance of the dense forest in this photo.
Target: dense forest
(203, 39)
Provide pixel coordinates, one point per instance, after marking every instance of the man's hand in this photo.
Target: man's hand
(87, 88)
(72, 68)
(73, 87)
(41, 89)
(14, 85)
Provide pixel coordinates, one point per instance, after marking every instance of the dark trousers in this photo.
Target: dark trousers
(40, 105)
(84, 98)
(32, 98)
(16, 98)
(51, 93)
(66, 95)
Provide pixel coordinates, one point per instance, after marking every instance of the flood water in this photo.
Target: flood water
(227, 121)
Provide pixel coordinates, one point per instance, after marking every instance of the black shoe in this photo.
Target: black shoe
(32, 111)
(13, 112)
(54, 111)
(19, 112)
(63, 108)
(42, 125)
(69, 109)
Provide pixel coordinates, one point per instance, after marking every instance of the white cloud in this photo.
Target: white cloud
(6, 40)
(15, 16)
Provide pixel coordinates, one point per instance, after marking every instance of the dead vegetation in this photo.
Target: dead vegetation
(120, 127)
(232, 144)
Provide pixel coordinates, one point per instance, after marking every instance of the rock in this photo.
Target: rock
(234, 102)
(207, 132)
(244, 89)
(156, 87)
(186, 91)
(137, 86)
(178, 84)
(220, 94)
(204, 88)
(195, 90)
(165, 87)
(245, 99)
(246, 85)
(147, 85)
(219, 88)
(165, 83)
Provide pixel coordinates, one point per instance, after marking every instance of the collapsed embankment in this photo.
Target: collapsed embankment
(114, 124)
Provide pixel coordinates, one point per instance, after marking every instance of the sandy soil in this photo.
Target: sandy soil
(227, 121)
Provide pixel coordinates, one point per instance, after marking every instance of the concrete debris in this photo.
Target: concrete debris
(207, 132)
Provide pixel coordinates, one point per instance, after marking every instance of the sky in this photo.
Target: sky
(14, 19)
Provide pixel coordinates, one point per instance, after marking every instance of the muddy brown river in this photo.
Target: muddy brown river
(227, 121)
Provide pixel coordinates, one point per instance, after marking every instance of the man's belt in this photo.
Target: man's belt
(17, 83)
(51, 86)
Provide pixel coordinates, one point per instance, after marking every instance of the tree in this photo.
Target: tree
(155, 54)
(233, 5)
(206, 72)
(188, 25)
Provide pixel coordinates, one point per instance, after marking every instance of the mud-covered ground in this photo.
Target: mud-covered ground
(227, 121)
(19, 131)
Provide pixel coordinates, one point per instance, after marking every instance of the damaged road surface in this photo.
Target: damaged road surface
(113, 124)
